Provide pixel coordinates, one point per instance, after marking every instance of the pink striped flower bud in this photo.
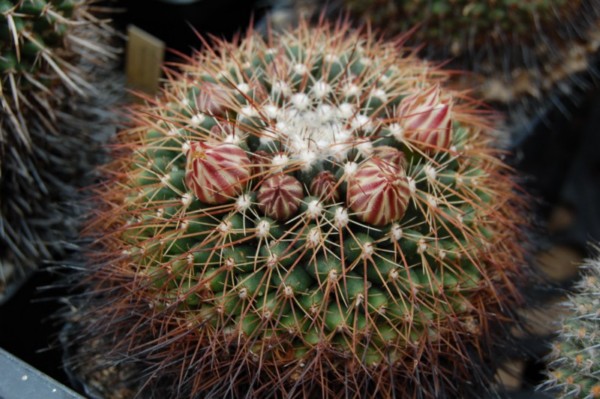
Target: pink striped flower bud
(279, 196)
(426, 119)
(213, 99)
(378, 192)
(324, 186)
(390, 155)
(216, 173)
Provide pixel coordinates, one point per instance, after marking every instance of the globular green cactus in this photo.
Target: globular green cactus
(52, 56)
(310, 215)
(574, 357)
(527, 55)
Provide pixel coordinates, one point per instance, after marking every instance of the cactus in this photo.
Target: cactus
(463, 21)
(574, 357)
(39, 49)
(52, 55)
(313, 214)
(527, 55)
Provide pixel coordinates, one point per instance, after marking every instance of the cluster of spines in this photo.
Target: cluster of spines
(574, 371)
(302, 214)
(48, 50)
(41, 44)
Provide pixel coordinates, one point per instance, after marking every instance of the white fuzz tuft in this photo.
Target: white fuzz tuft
(243, 88)
(232, 139)
(300, 69)
(263, 228)
(396, 232)
(308, 159)
(412, 185)
(314, 237)
(341, 218)
(314, 209)
(366, 61)
(430, 173)
(421, 246)
(185, 147)
(186, 199)
(332, 276)
(271, 111)
(397, 131)
(365, 148)
(248, 112)
(197, 119)
(331, 58)
(368, 250)
(320, 89)
(243, 203)
(351, 90)
(362, 122)
(225, 227)
(279, 161)
(301, 101)
(346, 110)
(325, 113)
(432, 201)
(281, 87)
(380, 94)
(350, 168)
(272, 261)
(288, 292)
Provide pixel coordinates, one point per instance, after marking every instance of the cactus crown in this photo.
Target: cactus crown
(304, 215)
(574, 356)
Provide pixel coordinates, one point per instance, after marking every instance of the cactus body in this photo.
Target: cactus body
(340, 256)
(574, 356)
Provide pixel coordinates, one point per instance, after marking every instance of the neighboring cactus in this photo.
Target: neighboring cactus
(39, 50)
(574, 357)
(313, 215)
(528, 53)
(52, 54)
(454, 25)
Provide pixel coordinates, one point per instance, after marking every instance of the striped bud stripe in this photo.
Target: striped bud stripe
(216, 173)
(279, 196)
(378, 192)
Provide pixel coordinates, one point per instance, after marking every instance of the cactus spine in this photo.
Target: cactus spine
(307, 215)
